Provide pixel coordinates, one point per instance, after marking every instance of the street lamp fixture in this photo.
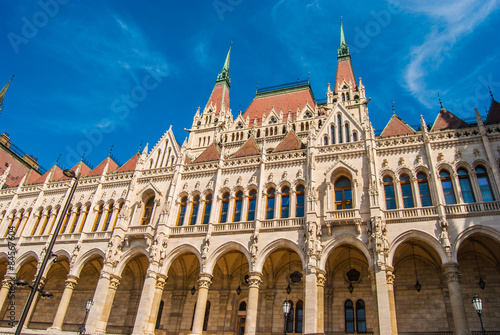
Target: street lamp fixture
(478, 306)
(88, 306)
(24, 283)
(48, 255)
(193, 290)
(286, 309)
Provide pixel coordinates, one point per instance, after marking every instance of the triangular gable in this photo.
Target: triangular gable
(345, 75)
(130, 165)
(494, 112)
(210, 154)
(187, 160)
(290, 142)
(219, 97)
(57, 174)
(248, 149)
(99, 170)
(396, 127)
(447, 120)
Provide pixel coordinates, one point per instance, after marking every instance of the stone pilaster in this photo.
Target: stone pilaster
(253, 303)
(103, 300)
(321, 300)
(148, 306)
(4, 291)
(201, 303)
(34, 303)
(383, 303)
(311, 302)
(392, 302)
(452, 275)
(64, 303)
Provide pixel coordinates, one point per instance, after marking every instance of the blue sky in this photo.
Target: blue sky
(77, 62)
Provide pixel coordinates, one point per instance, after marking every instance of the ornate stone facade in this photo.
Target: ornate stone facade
(295, 199)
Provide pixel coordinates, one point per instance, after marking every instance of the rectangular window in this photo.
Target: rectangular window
(237, 211)
(449, 196)
(251, 210)
(208, 208)
(270, 209)
(425, 196)
(484, 185)
(390, 199)
(224, 209)
(466, 188)
(285, 207)
(407, 195)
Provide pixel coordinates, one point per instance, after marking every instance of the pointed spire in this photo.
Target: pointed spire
(393, 109)
(224, 74)
(3, 92)
(343, 49)
(491, 93)
(440, 102)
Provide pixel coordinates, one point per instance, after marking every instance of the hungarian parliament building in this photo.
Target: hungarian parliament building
(295, 200)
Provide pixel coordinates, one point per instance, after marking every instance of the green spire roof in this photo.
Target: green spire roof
(343, 49)
(224, 74)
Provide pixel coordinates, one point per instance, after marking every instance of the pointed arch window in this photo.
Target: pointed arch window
(270, 204)
(354, 136)
(238, 203)
(224, 208)
(423, 188)
(406, 191)
(332, 131)
(194, 210)
(66, 219)
(347, 133)
(390, 198)
(285, 202)
(37, 222)
(343, 193)
(98, 217)
(339, 123)
(75, 220)
(109, 215)
(252, 202)
(208, 208)
(299, 201)
(182, 211)
(299, 316)
(465, 186)
(360, 316)
(449, 193)
(148, 210)
(349, 316)
(484, 184)
(325, 140)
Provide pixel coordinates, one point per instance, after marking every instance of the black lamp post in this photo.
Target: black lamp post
(24, 283)
(88, 306)
(478, 305)
(286, 310)
(48, 253)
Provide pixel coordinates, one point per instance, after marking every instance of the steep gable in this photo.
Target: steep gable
(99, 170)
(210, 154)
(248, 149)
(130, 165)
(290, 142)
(447, 120)
(396, 127)
(493, 113)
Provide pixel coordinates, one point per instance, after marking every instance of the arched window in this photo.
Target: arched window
(390, 198)
(85, 216)
(207, 315)
(182, 211)
(347, 96)
(66, 219)
(109, 214)
(270, 204)
(349, 316)
(423, 188)
(238, 203)
(289, 319)
(332, 131)
(285, 202)
(194, 210)
(449, 194)
(299, 316)
(347, 133)
(325, 140)
(224, 208)
(465, 186)
(343, 96)
(258, 133)
(339, 124)
(98, 217)
(354, 136)
(207, 209)
(158, 317)
(252, 201)
(148, 210)
(343, 194)
(299, 201)
(360, 316)
(46, 220)
(120, 205)
(484, 184)
(243, 306)
(406, 191)
(37, 222)
(302, 126)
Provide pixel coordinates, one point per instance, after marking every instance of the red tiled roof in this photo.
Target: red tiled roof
(494, 112)
(345, 71)
(220, 92)
(57, 175)
(290, 142)
(248, 149)
(396, 127)
(84, 170)
(447, 120)
(210, 154)
(286, 101)
(100, 168)
(187, 160)
(130, 165)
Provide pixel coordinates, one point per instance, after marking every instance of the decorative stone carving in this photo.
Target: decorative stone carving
(440, 157)
(270, 178)
(204, 282)
(205, 248)
(476, 153)
(157, 252)
(401, 161)
(385, 163)
(458, 155)
(444, 236)
(254, 246)
(114, 251)
(74, 254)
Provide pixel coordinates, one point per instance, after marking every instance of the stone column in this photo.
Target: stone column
(103, 300)
(253, 303)
(311, 302)
(146, 309)
(452, 275)
(4, 291)
(201, 303)
(160, 284)
(392, 302)
(63, 304)
(321, 300)
(383, 305)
